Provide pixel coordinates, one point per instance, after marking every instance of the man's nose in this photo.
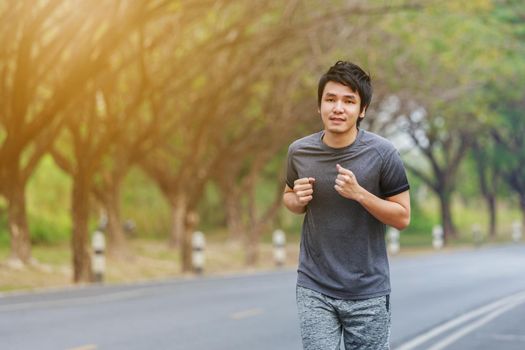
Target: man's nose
(338, 107)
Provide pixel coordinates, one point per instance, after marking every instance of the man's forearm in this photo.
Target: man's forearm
(394, 213)
(292, 203)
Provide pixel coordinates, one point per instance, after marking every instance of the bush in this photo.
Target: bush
(49, 230)
(418, 233)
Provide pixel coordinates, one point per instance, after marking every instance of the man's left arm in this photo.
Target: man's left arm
(393, 211)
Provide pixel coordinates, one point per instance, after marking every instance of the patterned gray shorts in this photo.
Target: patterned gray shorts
(363, 324)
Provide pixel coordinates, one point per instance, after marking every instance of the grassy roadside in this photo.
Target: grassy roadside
(149, 260)
(154, 260)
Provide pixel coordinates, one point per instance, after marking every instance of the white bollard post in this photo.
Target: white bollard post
(279, 247)
(437, 237)
(393, 241)
(198, 243)
(516, 231)
(476, 235)
(98, 264)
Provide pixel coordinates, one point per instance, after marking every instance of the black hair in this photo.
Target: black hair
(350, 75)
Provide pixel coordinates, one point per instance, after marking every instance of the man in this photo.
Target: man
(350, 184)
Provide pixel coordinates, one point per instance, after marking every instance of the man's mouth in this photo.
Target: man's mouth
(337, 119)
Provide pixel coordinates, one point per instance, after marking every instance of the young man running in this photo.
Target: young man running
(350, 184)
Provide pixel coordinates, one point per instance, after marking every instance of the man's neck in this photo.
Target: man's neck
(335, 140)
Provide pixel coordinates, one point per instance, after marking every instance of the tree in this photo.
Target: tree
(36, 40)
(116, 125)
(511, 147)
(181, 166)
(489, 175)
(184, 165)
(499, 150)
(446, 64)
(239, 172)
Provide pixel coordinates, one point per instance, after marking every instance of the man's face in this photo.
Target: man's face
(339, 108)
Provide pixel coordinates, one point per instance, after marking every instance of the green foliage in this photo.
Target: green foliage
(4, 233)
(48, 204)
(468, 179)
(48, 230)
(211, 209)
(143, 203)
(421, 223)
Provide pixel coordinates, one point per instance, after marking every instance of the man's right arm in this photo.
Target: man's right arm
(297, 198)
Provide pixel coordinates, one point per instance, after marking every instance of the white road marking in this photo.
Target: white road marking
(425, 337)
(73, 301)
(246, 313)
(475, 325)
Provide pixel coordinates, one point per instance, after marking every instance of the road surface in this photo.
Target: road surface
(465, 300)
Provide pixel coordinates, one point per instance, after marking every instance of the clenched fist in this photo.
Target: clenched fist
(303, 189)
(346, 184)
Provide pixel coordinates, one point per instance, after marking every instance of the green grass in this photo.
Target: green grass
(53, 254)
(415, 240)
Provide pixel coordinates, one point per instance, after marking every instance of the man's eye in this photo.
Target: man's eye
(330, 100)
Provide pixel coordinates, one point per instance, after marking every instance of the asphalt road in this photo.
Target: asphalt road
(462, 300)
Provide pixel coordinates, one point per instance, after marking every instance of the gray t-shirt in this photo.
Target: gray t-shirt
(343, 251)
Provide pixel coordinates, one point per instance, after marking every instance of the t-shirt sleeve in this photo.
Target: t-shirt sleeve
(291, 172)
(393, 175)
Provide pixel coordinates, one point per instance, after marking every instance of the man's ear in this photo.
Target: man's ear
(363, 113)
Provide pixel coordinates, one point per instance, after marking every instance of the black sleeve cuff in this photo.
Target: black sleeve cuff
(399, 190)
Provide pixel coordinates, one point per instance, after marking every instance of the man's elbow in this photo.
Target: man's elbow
(403, 223)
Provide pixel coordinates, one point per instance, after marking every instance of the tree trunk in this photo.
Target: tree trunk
(80, 238)
(18, 227)
(488, 187)
(252, 244)
(491, 202)
(254, 226)
(178, 216)
(449, 230)
(522, 205)
(233, 216)
(186, 248)
(117, 242)
(184, 221)
(231, 194)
